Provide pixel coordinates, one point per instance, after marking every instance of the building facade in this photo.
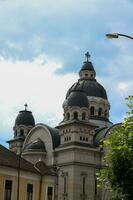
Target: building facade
(71, 149)
(21, 180)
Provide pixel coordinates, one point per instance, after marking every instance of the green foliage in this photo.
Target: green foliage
(117, 174)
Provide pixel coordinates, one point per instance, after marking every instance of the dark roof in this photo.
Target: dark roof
(103, 132)
(90, 86)
(25, 118)
(37, 146)
(44, 169)
(54, 134)
(77, 98)
(16, 138)
(87, 66)
(10, 159)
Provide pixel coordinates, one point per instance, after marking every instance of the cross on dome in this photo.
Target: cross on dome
(87, 55)
(26, 106)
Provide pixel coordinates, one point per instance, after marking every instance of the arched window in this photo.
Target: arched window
(100, 112)
(75, 115)
(21, 132)
(68, 116)
(92, 110)
(15, 133)
(83, 116)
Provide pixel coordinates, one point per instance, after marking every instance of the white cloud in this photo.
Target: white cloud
(35, 83)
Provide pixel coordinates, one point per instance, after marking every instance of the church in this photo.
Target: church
(70, 153)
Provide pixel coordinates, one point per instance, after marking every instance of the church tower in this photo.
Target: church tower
(86, 113)
(23, 124)
(98, 102)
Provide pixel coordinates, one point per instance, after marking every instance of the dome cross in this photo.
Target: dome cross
(87, 55)
(25, 105)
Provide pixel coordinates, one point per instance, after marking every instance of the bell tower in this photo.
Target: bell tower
(23, 124)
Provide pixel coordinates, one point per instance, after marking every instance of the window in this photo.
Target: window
(75, 115)
(65, 181)
(68, 116)
(8, 190)
(29, 192)
(21, 132)
(100, 112)
(86, 74)
(49, 193)
(15, 133)
(83, 116)
(83, 184)
(92, 110)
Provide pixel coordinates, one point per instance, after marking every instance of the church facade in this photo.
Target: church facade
(71, 150)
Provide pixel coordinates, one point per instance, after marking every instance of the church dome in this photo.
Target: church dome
(77, 98)
(87, 82)
(25, 117)
(90, 86)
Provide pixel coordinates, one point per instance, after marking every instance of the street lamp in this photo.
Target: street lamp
(116, 35)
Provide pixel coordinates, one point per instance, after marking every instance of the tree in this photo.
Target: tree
(118, 171)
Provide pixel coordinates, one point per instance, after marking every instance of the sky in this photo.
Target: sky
(42, 47)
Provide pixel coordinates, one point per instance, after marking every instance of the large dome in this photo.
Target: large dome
(25, 118)
(90, 86)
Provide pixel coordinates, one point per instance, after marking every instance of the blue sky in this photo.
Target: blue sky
(42, 47)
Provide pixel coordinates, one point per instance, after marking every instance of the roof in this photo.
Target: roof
(16, 138)
(87, 66)
(37, 146)
(102, 133)
(77, 98)
(55, 136)
(90, 86)
(25, 117)
(54, 132)
(10, 159)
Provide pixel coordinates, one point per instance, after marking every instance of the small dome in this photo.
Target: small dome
(90, 87)
(77, 98)
(87, 66)
(25, 118)
(38, 146)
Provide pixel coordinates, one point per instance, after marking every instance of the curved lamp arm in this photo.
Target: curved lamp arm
(116, 35)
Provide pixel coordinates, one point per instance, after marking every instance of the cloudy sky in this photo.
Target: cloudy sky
(42, 47)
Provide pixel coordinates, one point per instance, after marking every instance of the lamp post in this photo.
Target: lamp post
(116, 35)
